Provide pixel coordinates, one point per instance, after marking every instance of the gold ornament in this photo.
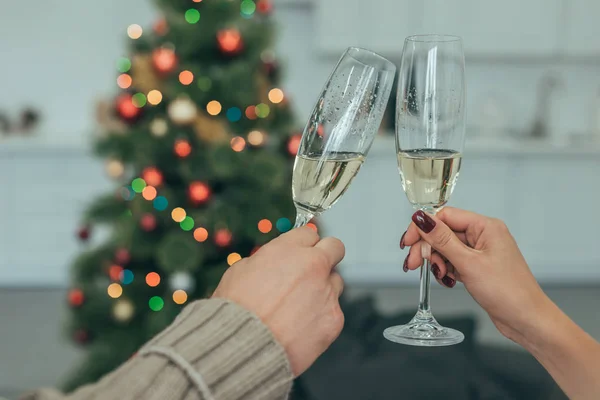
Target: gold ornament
(159, 127)
(114, 168)
(142, 73)
(211, 129)
(123, 310)
(182, 111)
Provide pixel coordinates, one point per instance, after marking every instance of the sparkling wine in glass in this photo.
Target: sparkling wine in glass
(430, 134)
(340, 131)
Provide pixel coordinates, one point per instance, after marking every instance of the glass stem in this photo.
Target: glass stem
(424, 311)
(302, 218)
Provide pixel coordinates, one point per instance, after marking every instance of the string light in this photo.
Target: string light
(152, 279)
(159, 127)
(164, 60)
(223, 237)
(294, 144)
(233, 258)
(154, 97)
(251, 112)
(238, 144)
(126, 277)
(234, 114)
(149, 193)
(134, 31)
(262, 110)
(256, 138)
(247, 7)
(182, 148)
(199, 192)
(152, 176)
(156, 303)
(123, 64)
(186, 77)
(187, 224)
(276, 95)
(265, 226)
(126, 108)
(139, 100)
(138, 185)
(204, 83)
(114, 272)
(200, 234)
(213, 107)
(197, 1)
(115, 290)
(76, 297)
(160, 27)
(283, 225)
(115, 168)
(124, 81)
(160, 203)
(178, 214)
(192, 16)
(180, 296)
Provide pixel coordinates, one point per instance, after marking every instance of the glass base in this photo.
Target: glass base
(423, 332)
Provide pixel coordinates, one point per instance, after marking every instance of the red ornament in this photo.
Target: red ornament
(148, 222)
(152, 176)
(76, 297)
(199, 192)
(294, 144)
(83, 233)
(223, 237)
(81, 336)
(230, 41)
(164, 60)
(182, 148)
(161, 27)
(126, 109)
(122, 256)
(264, 6)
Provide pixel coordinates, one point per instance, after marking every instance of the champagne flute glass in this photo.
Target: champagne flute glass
(340, 131)
(430, 134)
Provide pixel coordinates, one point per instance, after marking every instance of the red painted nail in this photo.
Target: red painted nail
(423, 221)
(448, 281)
(436, 271)
(405, 266)
(402, 245)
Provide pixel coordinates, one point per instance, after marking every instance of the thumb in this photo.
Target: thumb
(435, 232)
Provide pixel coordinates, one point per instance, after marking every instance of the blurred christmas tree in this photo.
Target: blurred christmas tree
(200, 142)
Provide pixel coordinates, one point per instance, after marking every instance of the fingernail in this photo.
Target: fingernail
(405, 267)
(402, 241)
(436, 271)
(448, 281)
(423, 221)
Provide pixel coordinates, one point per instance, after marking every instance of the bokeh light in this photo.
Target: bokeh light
(192, 16)
(312, 226)
(160, 203)
(152, 279)
(134, 31)
(199, 192)
(294, 144)
(256, 138)
(76, 297)
(138, 185)
(262, 110)
(233, 258)
(124, 81)
(276, 95)
(114, 168)
(180, 296)
(204, 83)
(238, 143)
(234, 114)
(127, 193)
(186, 77)
(213, 107)
(283, 225)
(182, 148)
(126, 277)
(200, 234)
(156, 303)
(247, 7)
(152, 176)
(115, 290)
(265, 226)
(159, 127)
(139, 100)
(251, 112)
(223, 237)
(178, 214)
(154, 97)
(123, 64)
(149, 193)
(187, 224)
(114, 272)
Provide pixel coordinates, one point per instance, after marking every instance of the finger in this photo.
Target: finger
(304, 236)
(333, 249)
(460, 220)
(441, 238)
(412, 236)
(337, 283)
(438, 265)
(414, 259)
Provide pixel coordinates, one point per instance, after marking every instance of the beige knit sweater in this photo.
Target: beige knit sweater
(215, 349)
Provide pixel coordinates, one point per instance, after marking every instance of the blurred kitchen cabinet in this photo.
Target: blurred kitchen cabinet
(497, 28)
(380, 25)
(582, 31)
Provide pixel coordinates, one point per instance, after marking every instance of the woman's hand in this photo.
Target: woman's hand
(480, 252)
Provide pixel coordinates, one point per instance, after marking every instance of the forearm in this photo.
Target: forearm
(569, 354)
(214, 350)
